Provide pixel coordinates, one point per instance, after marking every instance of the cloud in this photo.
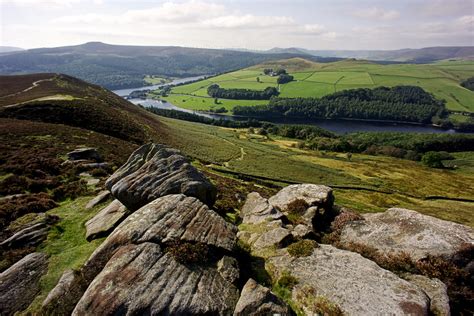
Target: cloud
(375, 13)
(44, 3)
(443, 8)
(248, 21)
(315, 29)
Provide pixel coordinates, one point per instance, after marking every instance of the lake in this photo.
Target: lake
(338, 126)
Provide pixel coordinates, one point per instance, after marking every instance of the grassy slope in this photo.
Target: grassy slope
(401, 183)
(319, 79)
(62, 99)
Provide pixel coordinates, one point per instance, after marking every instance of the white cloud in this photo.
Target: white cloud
(314, 29)
(375, 13)
(248, 21)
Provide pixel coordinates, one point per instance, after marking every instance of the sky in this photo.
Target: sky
(249, 24)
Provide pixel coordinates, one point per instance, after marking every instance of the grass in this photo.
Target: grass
(66, 244)
(392, 182)
(155, 79)
(319, 79)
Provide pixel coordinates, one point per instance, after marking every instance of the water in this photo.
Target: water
(126, 92)
(337, 126)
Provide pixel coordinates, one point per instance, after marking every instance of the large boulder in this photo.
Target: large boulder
(257, 210)
(312, 194)
(148, 277)
(27, 237)
(106, 220)
(19, 284)
(155, 170)
(401, 230)
(356, 285)
(143, 279)
(259, 300)
(101, 197)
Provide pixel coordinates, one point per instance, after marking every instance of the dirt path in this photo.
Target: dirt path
(34, 85)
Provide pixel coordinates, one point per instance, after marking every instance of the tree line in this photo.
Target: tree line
(216, 91)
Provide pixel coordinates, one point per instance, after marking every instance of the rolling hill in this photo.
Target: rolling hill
(120, 66)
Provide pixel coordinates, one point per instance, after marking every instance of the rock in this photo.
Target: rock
(257, 209)
(142, 279)
(27, 237)
(100, 198)
(228, 268)
(106, 220)
(302, 231)
(64, 296)
(314, 195)
(84, 154)
(19, 284)
(95, 165)
(355, 284)
(155, 170)
(397, 230)
(141, 271)
(259, 300)
(436, 291)
(278, 237)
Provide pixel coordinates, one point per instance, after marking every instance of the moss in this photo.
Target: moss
(188, 253)
(302, 248)
(317, 304)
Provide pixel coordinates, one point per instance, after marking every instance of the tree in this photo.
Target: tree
(258, 79)
(432, 159)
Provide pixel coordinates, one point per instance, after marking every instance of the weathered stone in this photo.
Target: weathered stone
(228, 268)
(166, 219)
(278, 237)
(257, 209)
(259, 300)
(436, 291)
(100, 198)
(84, 154)
(355, 284)
(155, 170)
(64, 296)
(29, 236)
(142, 279)
(302, 231)
(19, 284)
(95, 165)
(314, 195)
(397, 230)
(106, 220)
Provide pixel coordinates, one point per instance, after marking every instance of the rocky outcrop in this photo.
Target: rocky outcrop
(155, 170)
(312, 194)
(259, 300)
(19, 284)
(356, 285)
(257, 210)
(106, 220)
(100, 198)
(401, 230)
(146, 280)
(436, 291)
(146, 275)
(30, 233)
(84, 154)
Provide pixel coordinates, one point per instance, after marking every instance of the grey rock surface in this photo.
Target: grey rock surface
(259, 300)
(397, 230)
(155, 170)
(436, 290)
(84, 154)
(142, 279)
(101, 197)
(257, 209)
(314, 195)
(355, 284)
(19, 284)
(106, 220)
(278, 237)
(228, 268)
(29, 236)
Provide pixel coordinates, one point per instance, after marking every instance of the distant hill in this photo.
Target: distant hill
(120, 66)
(422, 55)
(56, 98)
(9, 49)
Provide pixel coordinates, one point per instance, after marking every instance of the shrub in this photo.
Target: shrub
(98, 172)
(287, 281)
(188, 253)
(13, 184)
(70, 190)
(302, 248)
(432, 159)
(296, 209)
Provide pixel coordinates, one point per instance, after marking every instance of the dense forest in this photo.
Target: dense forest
(400, 103)
(241, 94)
(468, 83)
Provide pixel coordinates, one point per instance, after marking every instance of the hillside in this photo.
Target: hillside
(120, 66)
(56, 98)
(313, 79)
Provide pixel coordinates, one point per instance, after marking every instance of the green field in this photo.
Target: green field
(385, 182)
(319, 79)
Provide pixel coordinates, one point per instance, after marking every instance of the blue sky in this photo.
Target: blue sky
(251, 24)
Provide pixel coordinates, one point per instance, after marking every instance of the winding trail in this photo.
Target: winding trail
(34, 85)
